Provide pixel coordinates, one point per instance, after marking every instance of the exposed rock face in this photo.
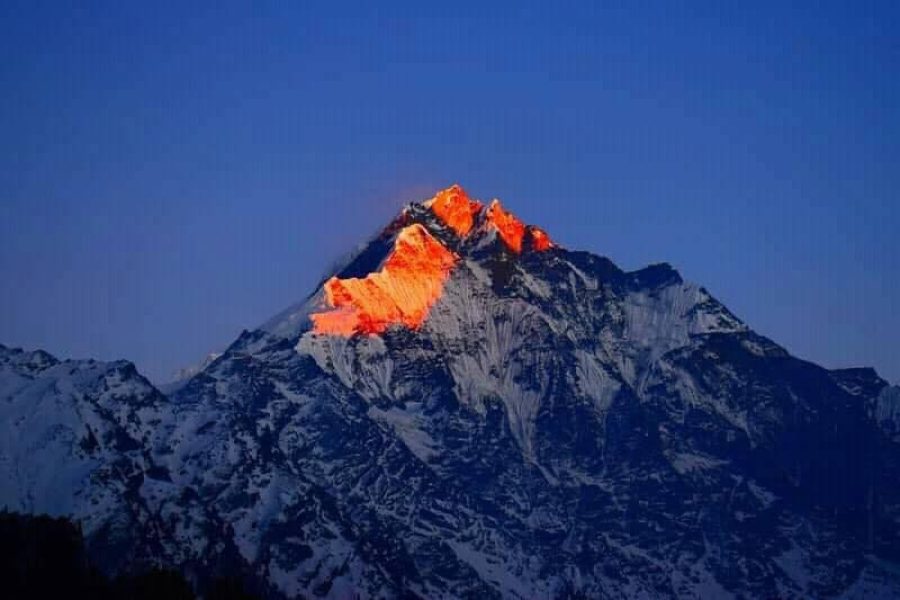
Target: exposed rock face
(468, 410)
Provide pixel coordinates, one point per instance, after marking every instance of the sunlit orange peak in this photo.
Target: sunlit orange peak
(454, 207)
(540, 241)
(402, 292)
(511, 229)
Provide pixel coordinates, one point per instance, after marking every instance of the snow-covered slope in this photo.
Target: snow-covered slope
(530, 422)
(77, 436)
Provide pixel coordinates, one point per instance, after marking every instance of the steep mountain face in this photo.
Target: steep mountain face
(467, 409)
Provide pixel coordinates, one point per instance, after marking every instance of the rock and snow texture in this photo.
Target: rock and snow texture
(554, 427)
(65, 424)
(76, 440)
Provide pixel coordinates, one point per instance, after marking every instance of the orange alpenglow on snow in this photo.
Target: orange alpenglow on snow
(402, 292)
(540, 241)
(511, 229)
(454, 207)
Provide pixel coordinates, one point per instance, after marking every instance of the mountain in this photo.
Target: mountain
(467, 409)
(79, 440)
(76, 442)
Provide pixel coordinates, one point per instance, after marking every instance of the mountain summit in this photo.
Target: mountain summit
(410, 277)
(457, 211)
(467, 409)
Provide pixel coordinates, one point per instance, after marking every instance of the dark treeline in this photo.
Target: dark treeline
(43, 557)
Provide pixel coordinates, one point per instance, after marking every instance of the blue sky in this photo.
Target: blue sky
(172, 174)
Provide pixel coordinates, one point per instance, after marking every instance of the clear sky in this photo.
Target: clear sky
(172, 174)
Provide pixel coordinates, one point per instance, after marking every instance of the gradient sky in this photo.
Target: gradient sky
(171, 175)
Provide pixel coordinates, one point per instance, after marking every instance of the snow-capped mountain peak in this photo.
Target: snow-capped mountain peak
(454, 207)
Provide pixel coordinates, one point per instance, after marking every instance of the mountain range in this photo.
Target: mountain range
(467, 409)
